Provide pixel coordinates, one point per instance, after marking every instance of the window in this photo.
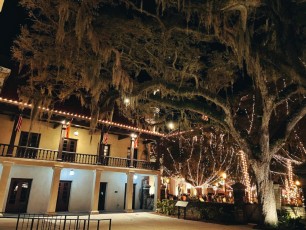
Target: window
(29, 139)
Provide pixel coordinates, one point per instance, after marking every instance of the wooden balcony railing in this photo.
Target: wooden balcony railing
(80, 158)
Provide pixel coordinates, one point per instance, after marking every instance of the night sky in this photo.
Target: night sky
(12, 18)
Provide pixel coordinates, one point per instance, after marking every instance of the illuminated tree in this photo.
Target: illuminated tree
(236, 65)
(200, 157)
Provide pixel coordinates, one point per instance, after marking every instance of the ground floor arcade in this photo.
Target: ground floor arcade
(48, 187)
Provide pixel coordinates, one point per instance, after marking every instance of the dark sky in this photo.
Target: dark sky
(12, 17)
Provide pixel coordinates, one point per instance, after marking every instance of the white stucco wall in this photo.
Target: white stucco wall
(119, 148)
(50, 137)
(81, 189)
(138, 182)
(82, 185)
(40, 188)
(87, 144)
(115, 196)
(114, 199)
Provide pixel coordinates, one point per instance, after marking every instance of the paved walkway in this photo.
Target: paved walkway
(145, 221)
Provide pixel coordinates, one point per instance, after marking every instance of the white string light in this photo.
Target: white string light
(246, 175)
(79, 116)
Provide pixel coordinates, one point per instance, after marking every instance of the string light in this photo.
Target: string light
(73, 115)
(204, 162)
(291, 187)
(300, 142)
(252, 116)
(246, 175)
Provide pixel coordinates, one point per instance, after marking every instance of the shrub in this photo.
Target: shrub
(166, 207)
(286, 222)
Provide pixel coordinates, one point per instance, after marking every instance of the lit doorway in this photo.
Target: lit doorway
(102, 195)
(134, 189)
(18, 197)
(63, 196)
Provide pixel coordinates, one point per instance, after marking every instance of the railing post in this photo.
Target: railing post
(17, 221)
(98, 225)
(88, 221)
(32, 222)
(65, 222)
(84, 225)
(77, 222)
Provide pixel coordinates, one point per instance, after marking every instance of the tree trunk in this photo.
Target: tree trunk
(266, 196)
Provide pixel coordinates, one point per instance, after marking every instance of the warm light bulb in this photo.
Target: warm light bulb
(171, 125)
(126, 101)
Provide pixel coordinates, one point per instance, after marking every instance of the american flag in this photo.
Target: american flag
(105, 139)
(19, 123)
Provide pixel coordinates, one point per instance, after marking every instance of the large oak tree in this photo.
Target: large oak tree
(236, 65)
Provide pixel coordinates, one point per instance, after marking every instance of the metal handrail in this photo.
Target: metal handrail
(60, 222)
(7, 150)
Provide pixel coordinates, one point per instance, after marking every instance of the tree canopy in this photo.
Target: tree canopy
(236, 65)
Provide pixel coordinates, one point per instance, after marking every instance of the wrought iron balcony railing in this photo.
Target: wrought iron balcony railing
(80, 158)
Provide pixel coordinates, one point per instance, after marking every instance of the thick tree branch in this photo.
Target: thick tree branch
(193, 106)
(295, 118)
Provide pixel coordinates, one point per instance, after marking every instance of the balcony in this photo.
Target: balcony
(71, 157)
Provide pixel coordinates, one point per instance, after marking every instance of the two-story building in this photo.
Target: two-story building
(57, 164)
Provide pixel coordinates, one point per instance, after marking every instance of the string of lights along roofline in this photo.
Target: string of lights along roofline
(79, 116)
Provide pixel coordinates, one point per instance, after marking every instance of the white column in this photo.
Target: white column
(129, 192)
(54, 189)
(157, 184)
(96, 190)
(133, 137)
(7, 166)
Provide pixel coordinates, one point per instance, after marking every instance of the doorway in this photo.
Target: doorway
(133, 202)
(18, 197)
(69, 149)
(104, 152)
(135, 157)
(102, 195)
(63, 196)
